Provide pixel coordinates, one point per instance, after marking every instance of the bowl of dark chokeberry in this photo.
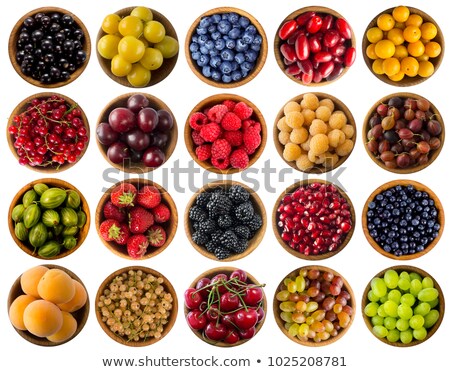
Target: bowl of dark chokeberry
(226, 47)
(403, 219)
(49, 47)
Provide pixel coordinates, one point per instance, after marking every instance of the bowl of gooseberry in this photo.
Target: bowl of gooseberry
(413, 309)
(137, 47)
(313, 219)
(314, 46)
(314, 306)
(136, 132)
(48, 132)
(225, 306)
(403, 46)
(403, 133)
(136, 306)
(41, 35)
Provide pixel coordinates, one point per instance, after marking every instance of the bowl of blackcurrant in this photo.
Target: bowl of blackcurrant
(136, 132)
(49, 47)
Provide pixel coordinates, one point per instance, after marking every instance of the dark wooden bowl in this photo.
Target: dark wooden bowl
(169, 226)
(51, 182)
(80, 315)
(218, 99)
(157, 75)
(259, 62)
(12, 47)
(277, 230)
(121, 101)
(419, 187)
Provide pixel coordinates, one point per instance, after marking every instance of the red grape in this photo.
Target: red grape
(136, 102)
(122, 119)
(147, 119)
(106, 135)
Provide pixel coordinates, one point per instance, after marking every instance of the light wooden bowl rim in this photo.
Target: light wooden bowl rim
(258, 205)
(80, 315)
(277, 43)
(21, 107)
(53, 182)
(406, 81)
(250, 280)
(409, 269)
(434, 153)
(259, 62)
(419, 186)
(297, 254)
(280, 322)
(169, 226)
(339, 105)
(157, 104)
(156, 75)
(214, 100)
(167, 286)
(15, 34)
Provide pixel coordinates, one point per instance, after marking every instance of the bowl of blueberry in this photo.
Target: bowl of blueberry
(403, 219)
(226, 47)
(49, 47)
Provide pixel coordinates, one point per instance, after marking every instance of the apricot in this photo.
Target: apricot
(29, 280)
(78, 300)
(42, 318)
(67, 330)
(56, 286)
(17, 308)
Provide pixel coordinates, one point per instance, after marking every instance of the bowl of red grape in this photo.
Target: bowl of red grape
(136, 132)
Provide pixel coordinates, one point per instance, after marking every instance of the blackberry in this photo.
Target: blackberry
(215, 236)
(238, 194)
(255, 223)
(225, 221)
(211, 246)
(222, 253)
(200, 238)
(219, 204)
(229, 240)
(218, 190)
(197, 214)
(243, 232)
(207, 226)
(244, 211)
(203, 199)
(241, 246)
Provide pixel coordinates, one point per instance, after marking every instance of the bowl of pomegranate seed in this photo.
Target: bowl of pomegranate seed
(313, 219)
(48, 132)
(136, 219)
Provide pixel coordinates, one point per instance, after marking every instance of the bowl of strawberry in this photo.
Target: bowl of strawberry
(225, 306)
(48, 132)
(136, 132)
(225, 133)
(314, 46)
(136, 219)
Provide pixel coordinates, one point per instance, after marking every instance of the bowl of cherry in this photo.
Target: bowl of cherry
(136, 132)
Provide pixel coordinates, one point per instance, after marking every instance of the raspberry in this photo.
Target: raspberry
(239, 159)
(291, 152)
(252, 140)
(319, 144)
(220, 163)
(249, 123)
(198, 140)
(203, 152)
(217, 112)
(197, 120)
(220, 149)
(243, 111)
(210, 132)
(234, 137)
(230, 104)
(231, 121)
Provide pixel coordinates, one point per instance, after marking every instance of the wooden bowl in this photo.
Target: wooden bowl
(127, 166)
(278, 42)
(258, 205)
(80, 315)
(433, 153)
(406, 81)
(277, 311)
(146, 341)
(318, 168)
(22, 107)
(169, 226)
(14, 36)
(51, 182)
(409, 269)
(418, 186)
(278, 231)
(218, 99)
(250, 280)
(156, 75)
(259, 62)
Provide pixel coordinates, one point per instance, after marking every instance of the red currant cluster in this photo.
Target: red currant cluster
(49, 133)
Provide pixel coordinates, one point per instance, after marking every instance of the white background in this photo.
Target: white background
(182, 90)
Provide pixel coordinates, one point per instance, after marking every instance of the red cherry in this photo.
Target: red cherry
(245, 319)
(196, 319)
(192, 298)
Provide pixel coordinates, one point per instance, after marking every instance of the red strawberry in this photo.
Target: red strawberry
(123, 195)
(148, 197)
(124, 234)
(161, 213)
(156, 236)
(110, 211)
(137, 246)
(140, 219)
(109, 229)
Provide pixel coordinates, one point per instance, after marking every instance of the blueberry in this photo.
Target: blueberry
(257, 40)
(226, 78)
(213, 52)
(230, 44)
(224, 27)
(205, 22)
(437, 226)
(194, 38)
(225, 68)
(216, 75)
(196, 55)
(233, 18)
(204, 50)
(251, 29)
(250, 56)
(235, 33)
(247, 66)
(248, 37)
(220, 44)
(415, 222)
(206, 71)
(216, 18)
(225, 16)
(203, 60)
(212, 28)
(201, 30)
(241, 46)
(216, 35)
(202, 39)
(387, 248)
(236, 75)
(244, 22)
(234, 65)
(256, 48)
(209, 45)
(215, 61)
(227, 55)
(372, 205)
(239, 58)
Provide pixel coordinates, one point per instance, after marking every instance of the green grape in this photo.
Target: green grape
(428, 294)
(406, 336)
(107, 46)
(299, 281)
(287, 325)
(378, 287)
(292, 287)
(416, 321)
(391, 278)
(408, 299)
(287, 306)
(371, 309)
(303, 330)
(422, 309)
(131, 26)
(404, 284)
(395, 296)
(393, 335)
(377, 320)
(390, 322)
(168, 46)
(390, 308)
(282, 295)
(383, 299)
(420, 334)
(154, 31)
(143, 13)
(414, 275)
(311, 306)
(110, 24)
(380, 331)
(381, 311)
(416, 287)
(434, 303)
(371, 296)
(404, 275)
(427, 282)
(293, 330)
(404, 311)
(431, 318)
(402, 324)
(139, 76)
(152, 59)
(286, 317)
(131, 49)
(119, 66)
